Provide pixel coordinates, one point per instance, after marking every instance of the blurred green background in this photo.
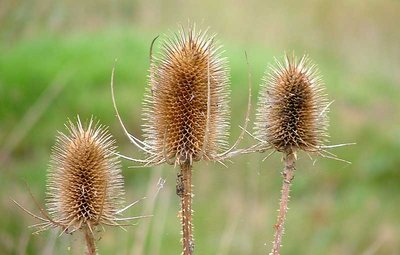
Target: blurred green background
(55, 62)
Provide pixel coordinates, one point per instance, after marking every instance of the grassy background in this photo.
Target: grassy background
(55, 62)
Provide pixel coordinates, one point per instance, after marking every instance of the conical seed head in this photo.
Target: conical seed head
(186, 108)
(85, 185)
(292, 108)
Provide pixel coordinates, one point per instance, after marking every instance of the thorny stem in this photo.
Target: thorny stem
(184, 191)
(288, 175)
(91, 246)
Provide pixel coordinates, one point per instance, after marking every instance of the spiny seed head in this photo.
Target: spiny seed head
(292, 108)
(186, 108)
(85, 185)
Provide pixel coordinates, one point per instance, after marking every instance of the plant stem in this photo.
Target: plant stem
(91, 246)
(184, 191)
(288, 175)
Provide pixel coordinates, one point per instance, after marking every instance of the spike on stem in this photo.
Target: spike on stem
(184, 191)
(288, 175)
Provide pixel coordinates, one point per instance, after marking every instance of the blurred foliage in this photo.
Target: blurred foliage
(55, 62)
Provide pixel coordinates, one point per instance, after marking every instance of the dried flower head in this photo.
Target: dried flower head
(85, 185)
(186, 108)
(292, 108)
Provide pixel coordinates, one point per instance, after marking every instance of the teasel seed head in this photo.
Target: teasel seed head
(186, 108)
(292, 108)
(85, 185)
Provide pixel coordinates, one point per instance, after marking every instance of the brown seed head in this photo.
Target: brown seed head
(186, 108)
(85, 184)
(292, 108)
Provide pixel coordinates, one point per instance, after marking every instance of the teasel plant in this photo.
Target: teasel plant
(291, 117)
(85, 187)
(186, 113)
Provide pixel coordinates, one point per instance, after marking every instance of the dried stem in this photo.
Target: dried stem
(288, 175)
(184, 191)
(91, 246)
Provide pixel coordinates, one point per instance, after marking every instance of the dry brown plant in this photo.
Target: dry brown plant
(85, 187)
(291, 117)
(186, 113)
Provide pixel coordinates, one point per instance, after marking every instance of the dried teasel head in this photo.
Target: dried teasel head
(186, 108)
(292, 108)
(85, 185)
